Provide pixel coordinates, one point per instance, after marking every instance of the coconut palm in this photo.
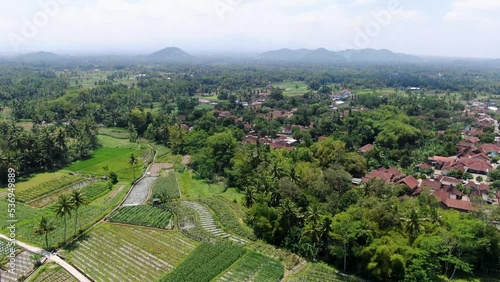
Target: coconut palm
(44, 228)
(63, 209)
(77, 200)
(133, 161)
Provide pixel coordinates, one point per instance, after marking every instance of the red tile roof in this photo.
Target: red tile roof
(410, 181)
(366, 148)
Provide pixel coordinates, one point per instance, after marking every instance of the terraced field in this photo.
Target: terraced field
(142, 215)
(318, 272)
(51, 272)
(140, 192)
(206, 262)
(114, 159)
(253, 267)
(122, 253)
(168, 185)
(208, 223)
(229, 219)
(45, 184)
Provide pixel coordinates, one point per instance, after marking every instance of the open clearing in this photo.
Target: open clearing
(122, 253)
(291, 88)
(194, 189)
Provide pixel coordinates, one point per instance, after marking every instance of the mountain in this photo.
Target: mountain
(39, 56)
(379, 56)
(323, 55)
(170, 54)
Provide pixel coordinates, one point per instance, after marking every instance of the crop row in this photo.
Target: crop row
(52, 272)
(188, 222)
(142, 215)
(206, 262)
(124, 253)
(253, 267)
(227, 217)
(48, 187)
(96, 190)
(166, 185)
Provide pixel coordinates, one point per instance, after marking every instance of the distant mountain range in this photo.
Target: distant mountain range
(303, 56)
(325, 56)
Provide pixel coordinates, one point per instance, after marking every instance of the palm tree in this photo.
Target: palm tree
(44, 228)
(63, 208)
(133, 161)
(77, 200)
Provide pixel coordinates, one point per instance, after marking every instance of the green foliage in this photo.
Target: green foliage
(206, 262)
(96, 190)
(142, 215)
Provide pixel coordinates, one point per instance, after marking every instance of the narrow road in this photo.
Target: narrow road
(73, 271)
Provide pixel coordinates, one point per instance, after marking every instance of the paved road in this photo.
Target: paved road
(73, 271)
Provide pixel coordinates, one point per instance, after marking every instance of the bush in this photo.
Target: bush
(113, 177)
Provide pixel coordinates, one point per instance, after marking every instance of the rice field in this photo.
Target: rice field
(206, 262)
(253, 267)
(149, 216)
(122, 253)
(44, 184)
(112, 159)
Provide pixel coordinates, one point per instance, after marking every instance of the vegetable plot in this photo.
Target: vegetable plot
(142, 215)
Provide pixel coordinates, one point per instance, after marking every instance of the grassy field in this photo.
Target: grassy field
(231, 221)
(253, 267)
(115, 159)
(28, 217)
(122, 253)
(115, 132)
(194, 189)
(317, 272)
(51, 272)
(167, 184)
(142, 215)
(44, 184)
(205, 263)
(293, 88)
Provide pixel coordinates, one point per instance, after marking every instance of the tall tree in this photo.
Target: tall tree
(133, 162)
(63, 209)
(77, 200)
(44, 228)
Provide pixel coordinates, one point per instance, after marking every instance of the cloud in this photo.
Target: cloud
(363, 2)
(480, 12)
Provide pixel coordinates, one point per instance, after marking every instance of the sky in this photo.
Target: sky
(457, 28)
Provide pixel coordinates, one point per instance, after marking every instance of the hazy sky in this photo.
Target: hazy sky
(467, 28)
